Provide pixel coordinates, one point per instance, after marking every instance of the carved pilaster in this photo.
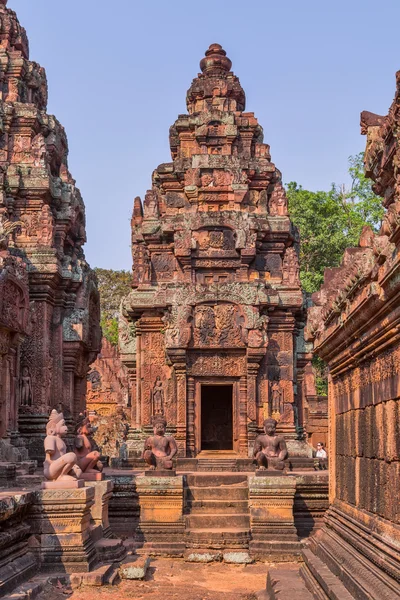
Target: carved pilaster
(178, 359)
(243, 416)
(254, 357)
(191, 417)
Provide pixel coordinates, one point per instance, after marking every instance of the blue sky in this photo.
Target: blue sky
(118, 74)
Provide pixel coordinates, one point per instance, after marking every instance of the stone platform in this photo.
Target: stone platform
(216, 511)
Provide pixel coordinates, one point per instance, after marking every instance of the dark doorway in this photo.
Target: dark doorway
(216, 417)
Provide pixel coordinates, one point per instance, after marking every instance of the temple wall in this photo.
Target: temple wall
(354, 325)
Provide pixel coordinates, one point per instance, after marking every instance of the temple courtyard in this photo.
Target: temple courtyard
(209, 429)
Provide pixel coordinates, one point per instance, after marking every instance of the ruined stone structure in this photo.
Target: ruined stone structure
(107, 382)
(355, 328)
(212, 332)
(59, 318)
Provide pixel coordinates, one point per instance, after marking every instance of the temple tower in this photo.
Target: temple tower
(210, 331)
(58, 324)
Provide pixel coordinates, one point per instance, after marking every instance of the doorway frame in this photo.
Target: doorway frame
(215, 381)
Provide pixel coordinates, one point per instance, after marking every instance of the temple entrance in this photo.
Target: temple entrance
(216, 417)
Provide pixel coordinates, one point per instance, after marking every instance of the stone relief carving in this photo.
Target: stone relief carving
(277, 401)
(290, 267)
(25, 387)
(218, 325)
(141, 264)
(178, 326)
(151, 205)
(278, 201)
(157, 397)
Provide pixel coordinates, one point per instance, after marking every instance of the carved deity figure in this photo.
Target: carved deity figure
(59, 465)
(95, 379)
(276, 397)
(278, 201)
(270, 449)
(159, 449)
(291, 267)
(88, 458)
(158, 397)
(151, 206)
(25, 386)
(141, 264)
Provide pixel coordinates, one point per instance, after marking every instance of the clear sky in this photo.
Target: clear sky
(118, 73)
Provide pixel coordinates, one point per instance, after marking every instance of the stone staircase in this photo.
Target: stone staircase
(217, 512)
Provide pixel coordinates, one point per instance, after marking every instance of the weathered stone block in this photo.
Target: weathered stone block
(204, 557)
(238, 558)
(161, 513)
(134, 569)
(271, 502)
(61, 523)
(99, 510)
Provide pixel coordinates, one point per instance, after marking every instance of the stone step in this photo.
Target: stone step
(29, 590)
(110, 550)
(103, 575)
(217, 506)
(213, 539)
(216, 479)
(222, 492)
(286, 584)
(320, 580)
(29, 481)
(220, 522)
(216, 465)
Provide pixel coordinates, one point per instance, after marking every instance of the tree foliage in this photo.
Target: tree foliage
(113, 286)
(330, 221)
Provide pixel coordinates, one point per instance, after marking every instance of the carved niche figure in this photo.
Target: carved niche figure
(25, 387)
(270, 449)
(159, 449)
(141, 264)
(276, 398)
(257, 337)
(94, 378)
(178, 323)
(278, 201)
(151, 206)
(157, 397)
(88, 458)
(59, 466)
(291, 267)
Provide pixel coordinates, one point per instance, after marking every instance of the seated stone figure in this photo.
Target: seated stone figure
(59, 465)
(88, 458)
(159, 449)
(270, 449)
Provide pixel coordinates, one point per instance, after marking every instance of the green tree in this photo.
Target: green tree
(113, 286)
(330, 221)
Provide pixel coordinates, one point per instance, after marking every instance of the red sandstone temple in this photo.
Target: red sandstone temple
(212, 331)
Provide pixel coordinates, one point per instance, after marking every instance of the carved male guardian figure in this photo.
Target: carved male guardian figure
(270, 449)
(59, 466)
(159, 449)
(88, 458)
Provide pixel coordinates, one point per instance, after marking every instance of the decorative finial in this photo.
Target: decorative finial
(215, 61)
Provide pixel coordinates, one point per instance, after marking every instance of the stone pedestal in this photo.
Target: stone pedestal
(271, 502)
(161, 514)
(63, 485)
(61, 522)
(99, 510)
(92, 476)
